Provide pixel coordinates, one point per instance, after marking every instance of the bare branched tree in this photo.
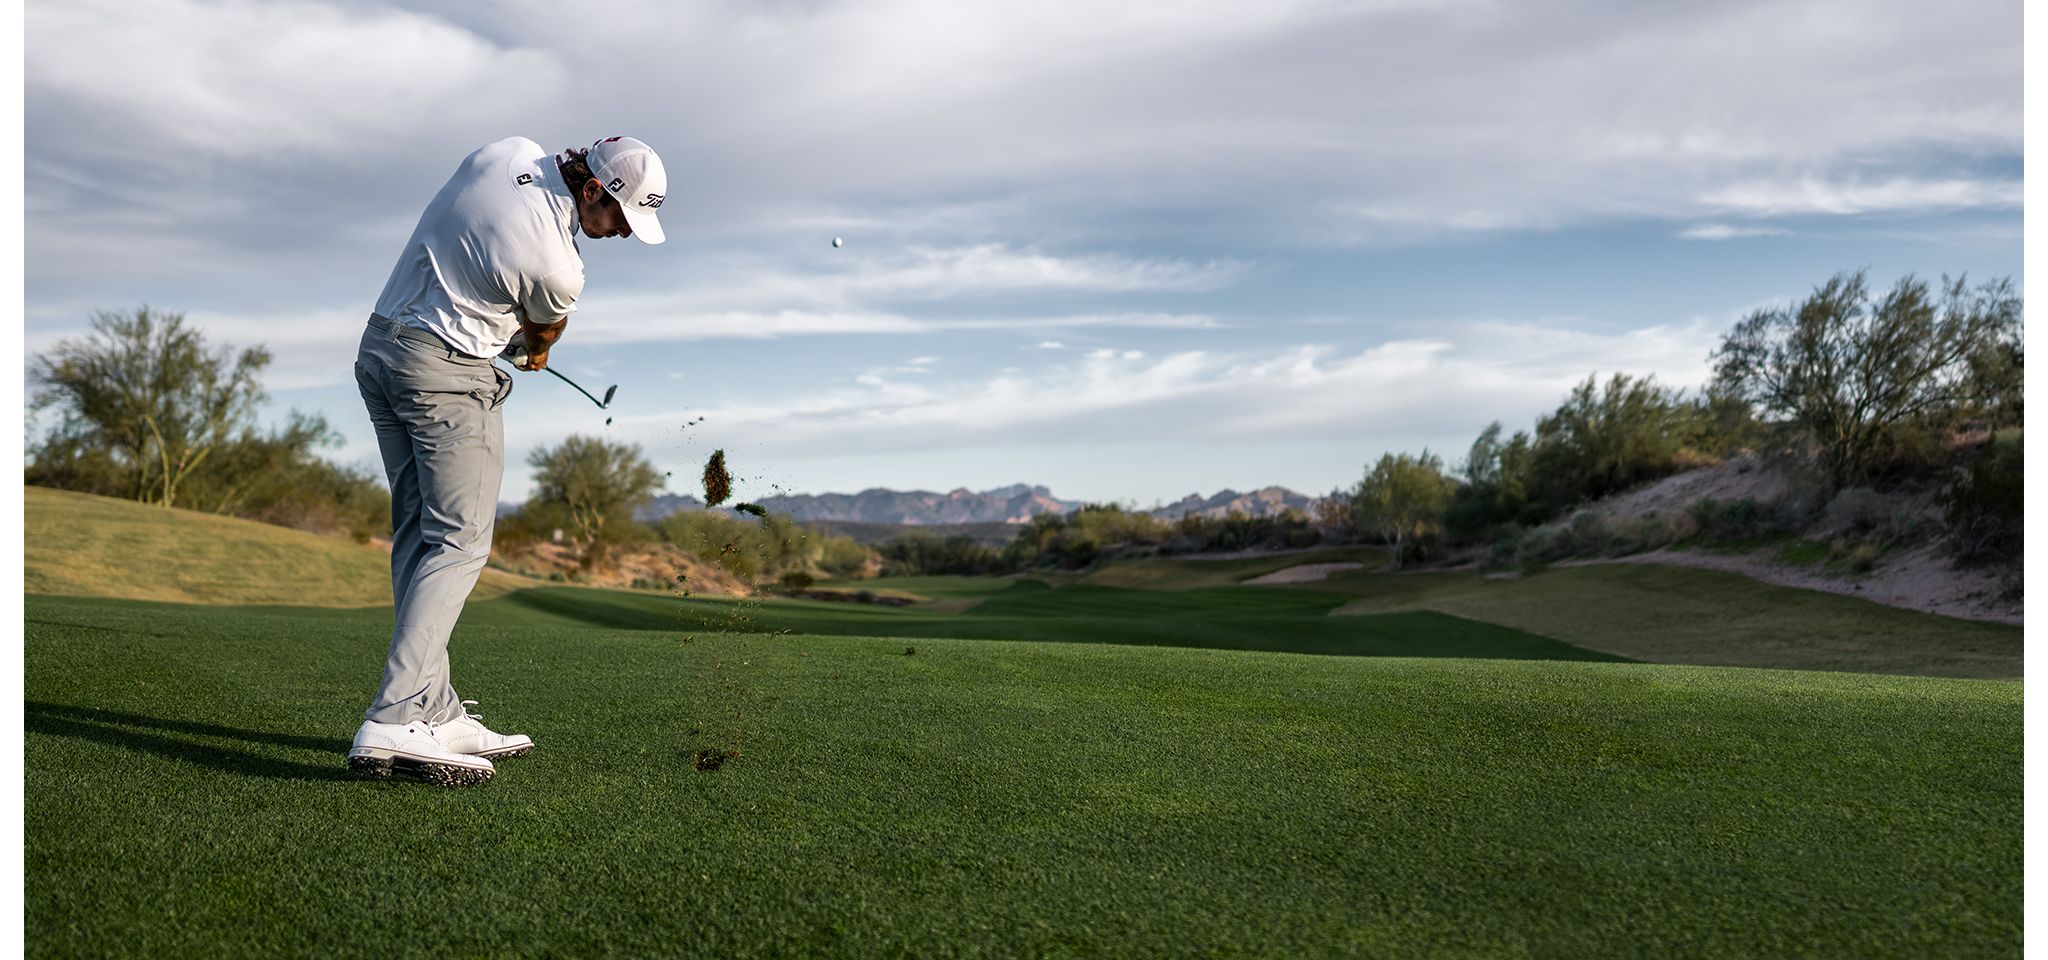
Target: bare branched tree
(1846, 372)
(150, 394)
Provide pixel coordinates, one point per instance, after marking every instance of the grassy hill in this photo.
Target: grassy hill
(77, 544)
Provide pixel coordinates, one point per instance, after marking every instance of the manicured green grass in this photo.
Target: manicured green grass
(1016, 769)
(184, 796)
(1237, 618)
(1675, 615)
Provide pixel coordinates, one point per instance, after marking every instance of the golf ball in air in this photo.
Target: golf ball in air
(836, 241)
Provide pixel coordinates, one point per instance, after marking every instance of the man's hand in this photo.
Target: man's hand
(538, 339)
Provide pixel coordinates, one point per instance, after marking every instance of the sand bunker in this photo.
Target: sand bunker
(1303, 574)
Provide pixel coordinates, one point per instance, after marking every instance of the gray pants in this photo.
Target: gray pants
(442, 436)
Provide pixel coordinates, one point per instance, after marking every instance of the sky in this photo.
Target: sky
(1128, 251)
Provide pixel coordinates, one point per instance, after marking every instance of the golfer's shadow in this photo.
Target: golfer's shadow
(136, 732)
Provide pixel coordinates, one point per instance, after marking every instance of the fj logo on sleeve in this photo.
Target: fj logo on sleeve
(525, 178)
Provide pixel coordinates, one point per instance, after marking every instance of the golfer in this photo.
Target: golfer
(493, 258)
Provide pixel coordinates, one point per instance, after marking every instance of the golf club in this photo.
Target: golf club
(515, 352)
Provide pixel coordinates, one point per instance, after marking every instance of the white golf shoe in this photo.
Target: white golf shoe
(468, 735)
(382, 749)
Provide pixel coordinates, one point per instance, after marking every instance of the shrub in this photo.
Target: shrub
(1985, 504)
(842, 556)
(1721, 521)
(1501, 555)
(920, 554)
(797, 580)
(1644, 533)
(1543, 545)
(1588, 533)
(1857, 511)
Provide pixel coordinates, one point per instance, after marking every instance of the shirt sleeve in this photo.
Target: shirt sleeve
(550, 299)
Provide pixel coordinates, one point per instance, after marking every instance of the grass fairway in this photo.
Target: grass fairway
(1236, 618)
(184, 796)
(1675, 615)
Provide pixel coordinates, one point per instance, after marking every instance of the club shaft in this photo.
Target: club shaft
(579, 389)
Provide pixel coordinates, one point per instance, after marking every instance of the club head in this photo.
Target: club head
(607, 402)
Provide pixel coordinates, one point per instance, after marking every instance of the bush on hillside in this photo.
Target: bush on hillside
(1287, 530)
(1603, 440)
(1857, 511)
(1081, 538)
(1721, 521)
(840, 557)
(921, 554)
(1872, 384)
(1986, 503)
(746, 549)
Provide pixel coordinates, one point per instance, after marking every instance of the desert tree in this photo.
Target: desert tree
(597, 483)
(143, 395)
(1849, 371)
(1402, 499)
(1606, 438)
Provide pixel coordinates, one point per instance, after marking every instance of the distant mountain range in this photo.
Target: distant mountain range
(1263, 502)
(1014, 504)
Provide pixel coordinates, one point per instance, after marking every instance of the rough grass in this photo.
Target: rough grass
(78, 544)
(184, 796)
(1673, 615)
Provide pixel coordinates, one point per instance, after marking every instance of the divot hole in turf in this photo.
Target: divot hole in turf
(712, 758)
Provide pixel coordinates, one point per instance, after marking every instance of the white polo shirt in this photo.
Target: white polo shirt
(497, 243)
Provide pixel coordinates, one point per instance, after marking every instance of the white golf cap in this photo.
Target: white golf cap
(634, 176)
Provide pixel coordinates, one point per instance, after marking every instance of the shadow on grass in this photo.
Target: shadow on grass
(136, 732)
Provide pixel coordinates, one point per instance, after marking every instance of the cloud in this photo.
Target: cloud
(306, 344)
(1448, 385)
(1051, 345)
(642, 322)
(942, 274)
(207, 136)
(1809, 196)
(1722, 231)
(256, 81)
